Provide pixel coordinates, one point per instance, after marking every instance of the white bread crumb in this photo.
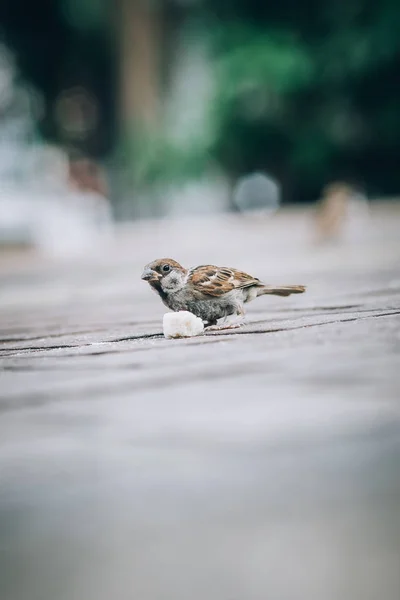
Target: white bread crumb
(182, 324)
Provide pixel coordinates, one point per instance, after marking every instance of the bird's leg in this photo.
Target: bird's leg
(210, 323)
(229, 323)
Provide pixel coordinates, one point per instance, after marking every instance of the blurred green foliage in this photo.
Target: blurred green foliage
(307, 90)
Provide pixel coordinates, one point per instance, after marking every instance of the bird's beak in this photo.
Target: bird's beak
(150, 275)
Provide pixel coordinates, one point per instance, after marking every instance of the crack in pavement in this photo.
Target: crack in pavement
(234, 332)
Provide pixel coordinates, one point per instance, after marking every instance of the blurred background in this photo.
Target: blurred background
(260, 464)
(116, 110)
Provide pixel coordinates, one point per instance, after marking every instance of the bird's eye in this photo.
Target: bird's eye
(166, 268)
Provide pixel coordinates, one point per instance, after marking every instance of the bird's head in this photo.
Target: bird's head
(164, 274)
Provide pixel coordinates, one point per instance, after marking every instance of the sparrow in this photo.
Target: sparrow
(207, 291)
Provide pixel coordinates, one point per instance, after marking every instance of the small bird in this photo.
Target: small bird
(209, 292)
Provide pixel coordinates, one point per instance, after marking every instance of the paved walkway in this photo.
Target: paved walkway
(257, 464)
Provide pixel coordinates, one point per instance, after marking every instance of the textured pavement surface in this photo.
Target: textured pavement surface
(261, 463)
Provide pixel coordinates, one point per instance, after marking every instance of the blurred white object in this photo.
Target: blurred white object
(38, 203)
(40, 207)
(182, 324)
(63, 224)
(257, 193)
(73, 224)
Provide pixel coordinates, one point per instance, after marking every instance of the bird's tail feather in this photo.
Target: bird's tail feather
(281, 290)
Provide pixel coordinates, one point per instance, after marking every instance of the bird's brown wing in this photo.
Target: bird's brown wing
(217, 281)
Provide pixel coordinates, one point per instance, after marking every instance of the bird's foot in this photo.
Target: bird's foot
(225, 324)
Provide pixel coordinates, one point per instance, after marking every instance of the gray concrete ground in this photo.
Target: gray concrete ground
(255, 464)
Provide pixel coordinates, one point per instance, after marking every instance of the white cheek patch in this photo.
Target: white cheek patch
(182, 324)
(171, 282)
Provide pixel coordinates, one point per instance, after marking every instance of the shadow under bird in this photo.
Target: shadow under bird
(209, 292)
